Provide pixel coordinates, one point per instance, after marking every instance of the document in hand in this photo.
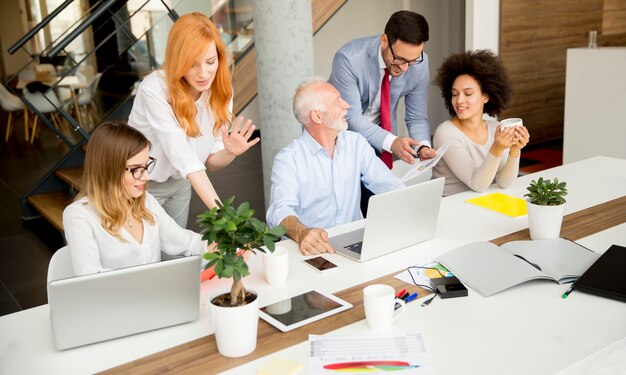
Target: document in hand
(489, 269)
(421, 167)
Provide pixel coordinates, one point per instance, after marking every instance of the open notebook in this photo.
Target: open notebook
(488, 268)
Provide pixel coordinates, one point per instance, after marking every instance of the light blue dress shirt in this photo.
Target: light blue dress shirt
(321, 191)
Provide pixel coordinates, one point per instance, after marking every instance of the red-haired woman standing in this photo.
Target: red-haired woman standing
(185, 110)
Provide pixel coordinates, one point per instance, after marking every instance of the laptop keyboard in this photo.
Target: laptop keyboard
(355, 247)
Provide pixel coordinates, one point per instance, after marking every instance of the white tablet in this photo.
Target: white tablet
(302, 309)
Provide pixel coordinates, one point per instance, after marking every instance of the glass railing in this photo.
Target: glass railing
(104, 62)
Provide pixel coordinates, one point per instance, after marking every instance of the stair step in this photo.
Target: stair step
(70, 175)
(51, 206)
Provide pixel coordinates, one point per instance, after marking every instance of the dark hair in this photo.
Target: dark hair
(407, 26)
(485, 67)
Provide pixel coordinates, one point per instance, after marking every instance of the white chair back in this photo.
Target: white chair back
(44, 103)
(86, 96)
(8, 101)
(60, 266)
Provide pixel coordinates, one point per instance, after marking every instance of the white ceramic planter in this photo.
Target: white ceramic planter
(544, 222)
(235, 327)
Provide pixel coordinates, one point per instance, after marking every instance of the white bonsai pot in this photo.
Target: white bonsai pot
(235, 327)
(544, 222)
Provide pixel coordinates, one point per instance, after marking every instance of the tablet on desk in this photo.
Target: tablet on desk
(302, 309)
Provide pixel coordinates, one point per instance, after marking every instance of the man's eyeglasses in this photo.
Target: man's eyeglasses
(401, 60)
(138, 172)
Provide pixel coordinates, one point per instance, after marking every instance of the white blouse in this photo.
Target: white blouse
(94, 250)
(177, 154)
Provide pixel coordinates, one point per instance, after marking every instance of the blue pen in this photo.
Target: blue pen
(411, 298)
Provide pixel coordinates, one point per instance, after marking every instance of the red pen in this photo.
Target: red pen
(401, 293)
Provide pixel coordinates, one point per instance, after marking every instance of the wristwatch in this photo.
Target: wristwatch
(419, 149)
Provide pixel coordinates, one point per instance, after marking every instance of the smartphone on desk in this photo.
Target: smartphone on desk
(321, 264)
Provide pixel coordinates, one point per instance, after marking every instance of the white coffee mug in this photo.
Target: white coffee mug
(276, 266)
(379, 301)
(511, 122)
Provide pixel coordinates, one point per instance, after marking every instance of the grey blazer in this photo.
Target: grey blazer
(356, 74)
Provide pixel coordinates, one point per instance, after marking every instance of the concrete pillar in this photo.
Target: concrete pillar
(283, 38)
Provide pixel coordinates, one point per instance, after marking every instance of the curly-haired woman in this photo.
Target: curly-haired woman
(474, 83)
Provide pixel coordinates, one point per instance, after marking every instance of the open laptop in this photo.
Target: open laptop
(395, 220)
(103, 306)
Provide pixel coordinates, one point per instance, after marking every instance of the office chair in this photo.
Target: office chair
(11, 103)
(60, 266)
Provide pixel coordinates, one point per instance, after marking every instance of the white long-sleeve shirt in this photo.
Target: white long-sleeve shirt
(93, 249)
(177, 154)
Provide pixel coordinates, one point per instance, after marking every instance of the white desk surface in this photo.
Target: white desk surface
(527, 329)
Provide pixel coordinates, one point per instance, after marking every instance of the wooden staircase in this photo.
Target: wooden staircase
(52, 204)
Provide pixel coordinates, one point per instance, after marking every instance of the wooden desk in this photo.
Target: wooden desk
(201, 356)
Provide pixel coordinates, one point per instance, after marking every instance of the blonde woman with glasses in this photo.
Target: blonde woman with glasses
(185, 110)
(114, 222)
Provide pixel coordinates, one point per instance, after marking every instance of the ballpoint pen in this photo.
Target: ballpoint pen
(401, 293)
(568, 291)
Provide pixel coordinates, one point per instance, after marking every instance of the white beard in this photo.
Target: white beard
(338, 124)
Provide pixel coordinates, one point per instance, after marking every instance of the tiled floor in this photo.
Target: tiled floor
(26, 246)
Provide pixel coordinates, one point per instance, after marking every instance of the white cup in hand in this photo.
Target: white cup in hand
(511, 122)
(276, 266)
(379, 301)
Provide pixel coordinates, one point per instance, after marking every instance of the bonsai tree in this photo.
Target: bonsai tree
(546, 193)
(235, 231)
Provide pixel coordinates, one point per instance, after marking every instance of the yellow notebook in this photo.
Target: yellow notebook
(502, 203)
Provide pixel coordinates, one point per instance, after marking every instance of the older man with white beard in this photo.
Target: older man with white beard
(316, 179)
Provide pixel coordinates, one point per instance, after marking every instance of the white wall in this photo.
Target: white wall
(482, 19)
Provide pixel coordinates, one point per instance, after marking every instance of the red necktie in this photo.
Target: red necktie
(385, 115)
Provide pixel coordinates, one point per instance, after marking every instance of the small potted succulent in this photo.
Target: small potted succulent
(235, 232)
(546, 206)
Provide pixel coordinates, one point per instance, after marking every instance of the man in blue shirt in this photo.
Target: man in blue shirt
(316, 179)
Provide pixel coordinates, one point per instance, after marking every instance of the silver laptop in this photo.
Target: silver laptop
(103, 306)
(395, 220)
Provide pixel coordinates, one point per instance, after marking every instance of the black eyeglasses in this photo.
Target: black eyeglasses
(401, 60)
(138, 172)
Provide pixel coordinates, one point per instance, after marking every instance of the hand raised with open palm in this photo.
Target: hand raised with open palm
(236, 141)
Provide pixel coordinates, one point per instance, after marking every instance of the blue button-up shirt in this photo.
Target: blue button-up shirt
(321, 191)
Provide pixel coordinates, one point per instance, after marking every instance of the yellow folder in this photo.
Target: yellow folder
(502, 203)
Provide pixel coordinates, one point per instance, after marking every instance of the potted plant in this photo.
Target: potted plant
(235, 231)
(545, 205)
